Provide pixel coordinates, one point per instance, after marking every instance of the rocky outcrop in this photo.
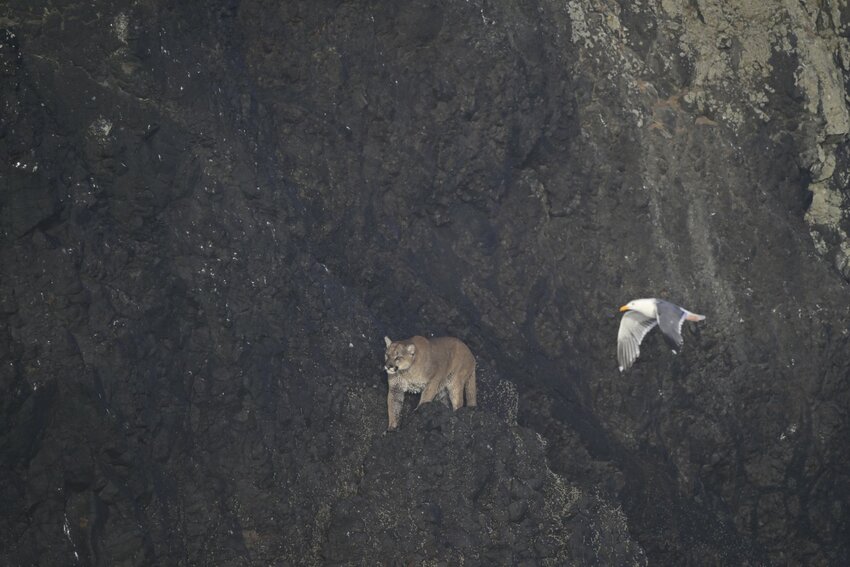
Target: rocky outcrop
(213, 213)
(470, 489)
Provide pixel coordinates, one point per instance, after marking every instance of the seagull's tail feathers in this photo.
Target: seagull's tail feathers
(694, 317)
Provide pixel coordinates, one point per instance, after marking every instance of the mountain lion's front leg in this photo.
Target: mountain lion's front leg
(395, 399)
(431, 390)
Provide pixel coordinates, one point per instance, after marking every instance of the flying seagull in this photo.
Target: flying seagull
(641, 315)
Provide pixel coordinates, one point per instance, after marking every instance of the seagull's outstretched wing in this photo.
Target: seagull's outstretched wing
(633, 328)
(670, 319)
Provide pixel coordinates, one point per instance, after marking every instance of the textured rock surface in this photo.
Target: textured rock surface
(212, 214)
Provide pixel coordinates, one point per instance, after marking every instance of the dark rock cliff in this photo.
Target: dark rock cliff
(212, 213)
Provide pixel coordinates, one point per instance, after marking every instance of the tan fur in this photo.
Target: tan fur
(429, 366)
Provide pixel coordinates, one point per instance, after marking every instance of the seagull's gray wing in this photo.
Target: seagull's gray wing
(633, 328)
(670, 319)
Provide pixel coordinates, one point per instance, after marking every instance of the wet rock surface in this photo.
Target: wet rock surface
(213, 212)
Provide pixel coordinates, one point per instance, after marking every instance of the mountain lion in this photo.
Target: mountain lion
(434, 367)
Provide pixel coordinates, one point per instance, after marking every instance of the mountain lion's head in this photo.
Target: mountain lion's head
(399, 356)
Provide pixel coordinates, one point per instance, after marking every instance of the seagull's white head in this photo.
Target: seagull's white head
(645, 307)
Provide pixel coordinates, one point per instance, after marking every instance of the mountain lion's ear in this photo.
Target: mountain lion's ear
(411, 349)
(387, 341)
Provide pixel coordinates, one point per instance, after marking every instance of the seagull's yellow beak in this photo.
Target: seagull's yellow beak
(624, 308)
